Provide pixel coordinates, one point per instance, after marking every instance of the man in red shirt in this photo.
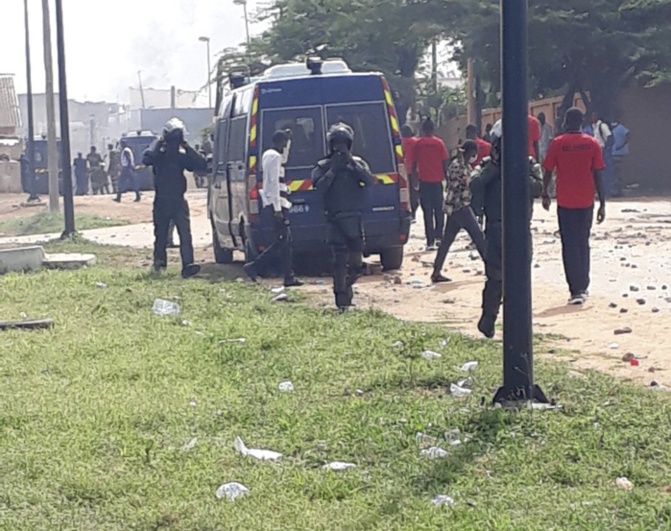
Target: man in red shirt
(409, 140)
(578, 160)
(430, 162)
(534, 138)
(484, 147)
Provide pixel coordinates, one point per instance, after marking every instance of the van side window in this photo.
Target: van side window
(237, 139)
(372, 133)
(307, 134)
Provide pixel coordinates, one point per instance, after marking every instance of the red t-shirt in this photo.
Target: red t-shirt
(575, 156)
(534, 135)
(429, 153)
(484, 150)
(408, 150)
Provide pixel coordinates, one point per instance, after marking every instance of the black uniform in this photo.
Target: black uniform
(342, 186)
(487, 200)
(169, 161)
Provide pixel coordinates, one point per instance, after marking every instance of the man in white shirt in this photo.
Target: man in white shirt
(127, 181)
(275, 199)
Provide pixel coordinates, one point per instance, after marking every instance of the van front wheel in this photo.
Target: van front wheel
(392, 258)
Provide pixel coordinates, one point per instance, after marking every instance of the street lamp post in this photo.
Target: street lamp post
(206, 40)
(68, 204)
(243, 3)
(518, 374)
(30, 145)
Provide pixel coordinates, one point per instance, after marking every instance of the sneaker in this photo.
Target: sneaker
(293, 283)
(440, 279)
(576, 300)
(251, 272)
(431, 248)
(190, 271)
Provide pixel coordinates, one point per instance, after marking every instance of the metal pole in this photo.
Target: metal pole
(52, 146)
(30, 147)
(209, 73)
(68, 205)
(518, 376)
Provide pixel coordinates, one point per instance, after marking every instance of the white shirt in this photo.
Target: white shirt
(272, 165)
(602, 133)
(127, 158)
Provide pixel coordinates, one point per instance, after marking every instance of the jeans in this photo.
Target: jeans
(431, 199)
(463, 218)
(281, 246)
(575, 226)
(177, 211)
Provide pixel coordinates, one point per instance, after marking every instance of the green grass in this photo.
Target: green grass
(44, 222)
(94, 416)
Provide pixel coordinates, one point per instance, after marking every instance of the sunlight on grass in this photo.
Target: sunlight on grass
(95, 415)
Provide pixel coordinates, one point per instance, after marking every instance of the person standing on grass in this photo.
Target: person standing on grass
(430, 163)
(170, 157)
(409, 140)
(127, 180)
(578, 160)
(484, 147)
(81, 175)
(458, 208)
(275, 198)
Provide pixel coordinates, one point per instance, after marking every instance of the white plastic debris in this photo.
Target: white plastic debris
(614, 346)
(466, 383)
(164, 308)
(434, 453)
(424, 440)
(287, 387)
(398, 344)
(431, 355)
(470, 366)
(624, 483)
(101, 285)
(459, 392)
(232, 491)
(23, 315)
(240, 340)
(339, 466)
(277, 291)
(444, 343)
(443, 501)
(193, 404)
(262, 455)
(453, 437)
(190, 445)
(282, 297)
(186, 323)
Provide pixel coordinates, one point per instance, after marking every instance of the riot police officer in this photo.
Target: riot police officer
(486, 189)
(342, 179)
(170, 156)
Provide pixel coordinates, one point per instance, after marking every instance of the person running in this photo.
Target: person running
(430, 163)
(458, 208)
(484, 147)
(127, 179)
(579, 163)
(409, 140)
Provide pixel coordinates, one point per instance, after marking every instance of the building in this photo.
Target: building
(10, 140)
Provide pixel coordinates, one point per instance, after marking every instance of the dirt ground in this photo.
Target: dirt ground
(631, 282)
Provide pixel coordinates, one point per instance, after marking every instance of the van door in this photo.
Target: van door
(220, 196)
(307, 148)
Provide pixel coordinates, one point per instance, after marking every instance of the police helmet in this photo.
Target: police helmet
(340, 131)
(174, 129)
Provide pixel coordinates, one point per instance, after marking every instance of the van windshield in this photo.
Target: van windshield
(372, 136)
(307, 134)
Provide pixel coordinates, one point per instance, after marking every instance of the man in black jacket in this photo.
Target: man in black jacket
(341, 179)
(170, 157)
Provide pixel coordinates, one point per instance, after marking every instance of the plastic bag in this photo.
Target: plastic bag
(443, 501)
(164, 308)
(459, 392)
(232, 491)
(431, 355)
(434, 453)
(262, 455)
(286, 387)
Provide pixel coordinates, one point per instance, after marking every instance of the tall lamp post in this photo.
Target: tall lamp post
(206, 40)
(30, 145)
(518, 368)
(243, 3)
(68, 204)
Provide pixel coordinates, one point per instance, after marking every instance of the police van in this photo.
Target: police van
(307, 99)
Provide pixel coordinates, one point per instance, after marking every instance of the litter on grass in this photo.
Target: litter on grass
(163, 308)
(232, 491)
(466, 383)
(191, 445)
(398, 344)
(470, 366)
(459, 392)
(101, 285)
(443, 501)
(236, 340)
(434, 453)
(431, 355)
(287, 387)
(424, 440)
(277, 291)
(261, 455)
(282, 297)
(624, 483)
(338, 466)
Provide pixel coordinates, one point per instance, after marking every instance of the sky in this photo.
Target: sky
(108, 41)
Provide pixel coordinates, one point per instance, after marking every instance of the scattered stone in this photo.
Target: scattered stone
(625, 295)
(398, 280)
(628, 357)
(622, 331)
(612, 305)
(641, 302)
(655, 310)
(623, 310)
(652, 288)
(634, 288)
(652, 370)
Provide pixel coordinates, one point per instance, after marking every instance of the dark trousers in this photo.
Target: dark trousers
(127, 183)
(82, 184)
(345, 236)
(414, 201)
(177, 211)
(493, 292)
(575, 226)
(463, 218)
(431, 199)
(281, 246)
(617, 187)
